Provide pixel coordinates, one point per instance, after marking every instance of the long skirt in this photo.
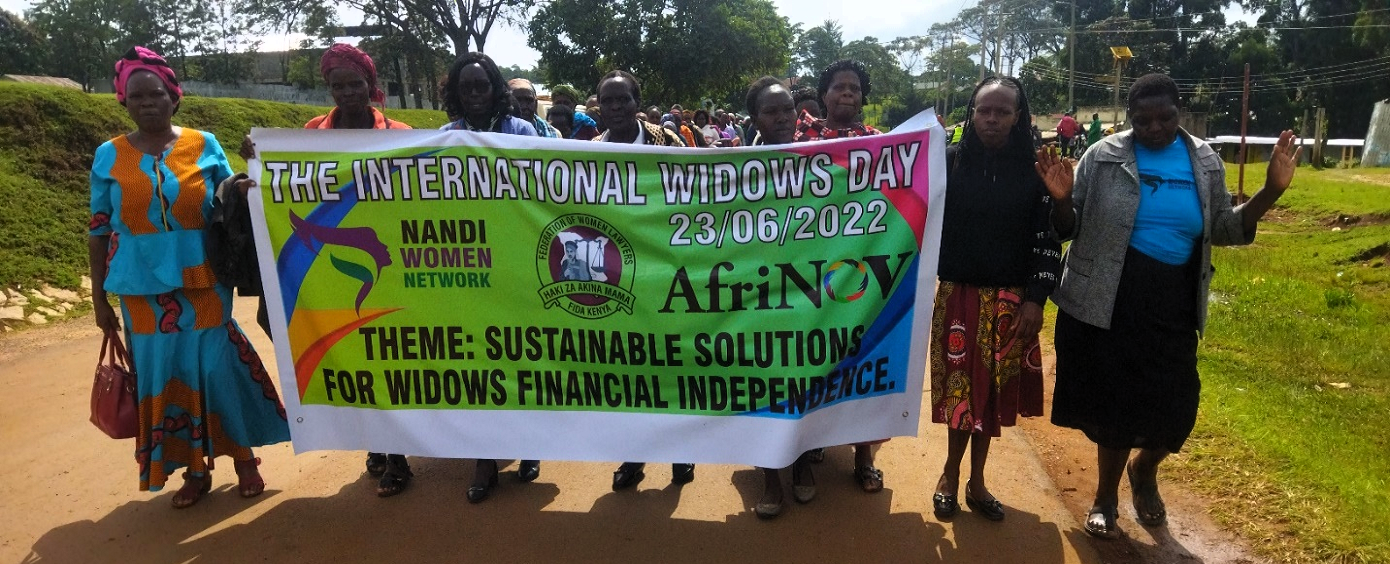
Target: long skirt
(1134, 385)
(980, 379)
(202, 389)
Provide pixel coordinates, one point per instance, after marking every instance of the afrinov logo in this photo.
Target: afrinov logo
(585, 266)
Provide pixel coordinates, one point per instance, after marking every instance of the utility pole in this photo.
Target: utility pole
(1071, 52)
(984, 38)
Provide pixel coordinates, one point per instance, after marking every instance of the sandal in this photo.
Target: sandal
(1149, 509)
(396, 477)
(870, 479)
(194, 488)
(376, 464)
(1100, 522)
(249, 481)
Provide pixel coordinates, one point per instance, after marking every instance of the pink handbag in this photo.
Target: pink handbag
(113, 391)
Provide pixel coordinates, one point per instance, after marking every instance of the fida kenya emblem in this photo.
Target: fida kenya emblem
(585, 266)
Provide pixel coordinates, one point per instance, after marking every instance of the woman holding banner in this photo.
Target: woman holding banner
(352, 81)
(843, 87)
(1143, 211)
(477, 99)
(998, 264)
(202, 390)
(773, 111)
(619, 96)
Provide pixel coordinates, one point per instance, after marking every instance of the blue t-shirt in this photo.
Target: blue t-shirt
(1169, 221)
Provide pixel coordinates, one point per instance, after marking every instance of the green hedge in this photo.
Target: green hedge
(47, 137)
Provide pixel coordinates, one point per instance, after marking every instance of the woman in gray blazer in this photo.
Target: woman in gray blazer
(1142, 210)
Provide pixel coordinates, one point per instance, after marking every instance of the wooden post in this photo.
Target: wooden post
(1244, 121)
(1319, 136)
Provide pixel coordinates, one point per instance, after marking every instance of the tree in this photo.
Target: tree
(84, 32)
(23, 50)
(681, 50)
(465, 23)
(817, 47)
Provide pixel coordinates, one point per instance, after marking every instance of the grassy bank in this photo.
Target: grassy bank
(47, 136)
(1291, 443)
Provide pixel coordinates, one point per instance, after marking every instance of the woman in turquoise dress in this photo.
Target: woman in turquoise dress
(202, 389)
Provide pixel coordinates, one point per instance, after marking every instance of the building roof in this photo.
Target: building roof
(48, 80)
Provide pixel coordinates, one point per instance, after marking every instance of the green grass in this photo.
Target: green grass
(47, 137)
(1295, 463)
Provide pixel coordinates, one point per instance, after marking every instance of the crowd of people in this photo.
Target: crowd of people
(1131, 291)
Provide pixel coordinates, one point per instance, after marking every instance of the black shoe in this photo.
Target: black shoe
(396, 477)
(529, 470)
(682, 473)
(990, 508)
(816, 455)
(483, 482)
(944, 505)
(628, 475)
(376, 464)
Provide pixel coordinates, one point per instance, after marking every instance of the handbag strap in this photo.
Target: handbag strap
(119, 355)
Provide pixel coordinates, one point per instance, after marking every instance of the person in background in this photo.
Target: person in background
(619, 96)
(1096, 131)
(706, 129)
(808, 102)
(1066, 129)
(585, 128)
(770, 104)
(843, 87)
(562, 119)
(524, 96)
(477, 99)
(998, 264)
(1142, 212)
(202, 390)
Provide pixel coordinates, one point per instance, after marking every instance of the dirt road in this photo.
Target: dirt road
(68, 494)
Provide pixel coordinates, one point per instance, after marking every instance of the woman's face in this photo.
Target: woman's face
(1155, 121)
(561, 117)
(475, 90)
(996, 112)
(845, 98)
(809, 106)
(776, 115)
(147, 101)
(701, 119)
(349, 89)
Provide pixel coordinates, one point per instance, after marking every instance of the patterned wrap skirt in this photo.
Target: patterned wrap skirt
(202, 389)
(980, 380)
(1134, 385)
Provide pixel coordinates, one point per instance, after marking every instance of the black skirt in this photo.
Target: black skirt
(1134, 385)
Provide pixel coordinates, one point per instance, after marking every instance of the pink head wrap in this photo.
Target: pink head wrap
(142, 59)
(342, 55)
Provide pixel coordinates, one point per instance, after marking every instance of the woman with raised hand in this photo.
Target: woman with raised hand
(1142, 210)
(997, 266)
(774, 112)
(477, 99)
(843, 87)
(202, 389)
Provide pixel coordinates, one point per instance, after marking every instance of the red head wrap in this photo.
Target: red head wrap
(342, 55)
(142, 59)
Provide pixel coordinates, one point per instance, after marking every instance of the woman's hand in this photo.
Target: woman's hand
(1282, 162)
(248, 149)
(1057, 173)
(244, 185)
(1030, 320)
(106, 316)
